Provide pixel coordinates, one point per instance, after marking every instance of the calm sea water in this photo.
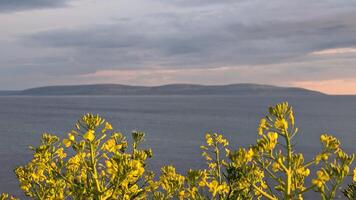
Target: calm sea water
(175, 125)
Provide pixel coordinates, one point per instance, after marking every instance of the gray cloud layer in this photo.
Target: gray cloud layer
(208, 38)
(18, 5)
(202, 35)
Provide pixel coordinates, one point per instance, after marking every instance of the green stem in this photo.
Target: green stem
(307, 189)
(289, 168)
(95, 173)
(265, 194)
(217, 158)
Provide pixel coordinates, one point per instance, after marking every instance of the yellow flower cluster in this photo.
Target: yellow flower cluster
(170, 181)
(4, 196)
(216, 188)
(99, 169)
(322, 178)
(329, 142)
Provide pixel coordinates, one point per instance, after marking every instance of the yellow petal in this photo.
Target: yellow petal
(71, 137)
(67, 142)
(108, 126)
(89, 135)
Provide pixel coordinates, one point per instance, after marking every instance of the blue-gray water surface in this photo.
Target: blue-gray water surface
(174, 125)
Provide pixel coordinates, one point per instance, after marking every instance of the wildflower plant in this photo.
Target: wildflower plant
(100, 168)
(350, 191)
(275, 155)
(5, 196)
(95, 162)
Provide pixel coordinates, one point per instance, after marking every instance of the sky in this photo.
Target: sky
(294, 43)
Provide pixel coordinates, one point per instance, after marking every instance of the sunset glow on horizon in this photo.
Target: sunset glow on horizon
(332, 87)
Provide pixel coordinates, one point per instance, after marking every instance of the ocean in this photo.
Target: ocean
(174, 125)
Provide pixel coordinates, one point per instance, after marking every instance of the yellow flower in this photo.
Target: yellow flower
(67, 142)
(25, 188)
(35, 176)
(223, 188)
(110, 168)
(213, 187)
(346, 169)
(89, 135)
(281, 124)
(61, 154)
(330, 142)
(110, 145)
(323, 138)
(302, 171)
(322, 175)
(260, 131)
(291, 117)
(262, 126)
(272, 137)
(275, 167)
(323, 156)
(202, 147)
(202, 183)
(354, 176)
(306, 172)
(137, 168)
(322, 178)
(108, 126)
(317, 183)
(181, 194)
(212, 165)
(249, 155)
(227, 152)
(108, 164)
(71, 137)
(264, 185)
(209, 139)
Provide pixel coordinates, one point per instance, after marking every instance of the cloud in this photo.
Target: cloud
(197, 3)
(334, 51)
(199, 41)
(7, 6)
(280, 74)
(333, 86)
(302, 74)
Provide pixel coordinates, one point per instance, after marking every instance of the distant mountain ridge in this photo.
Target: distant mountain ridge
(172, 89)
(8, 92)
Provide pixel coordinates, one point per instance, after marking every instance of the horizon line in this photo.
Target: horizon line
(168, 84)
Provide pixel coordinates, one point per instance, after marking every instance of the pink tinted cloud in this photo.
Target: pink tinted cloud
(219, 75)
(338, 86)
(327, 52)
(159, 76)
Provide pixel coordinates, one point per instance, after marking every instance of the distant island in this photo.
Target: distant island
(172, 89)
